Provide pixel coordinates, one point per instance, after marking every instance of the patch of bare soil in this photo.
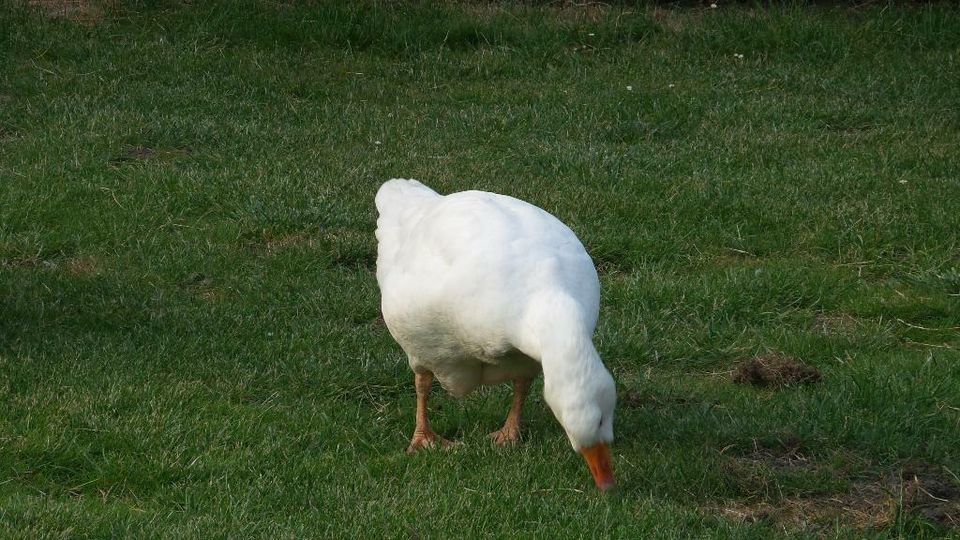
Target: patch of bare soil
(865, 506)
(86, 12)
(775, 369)
(924, 490)
(930, 491)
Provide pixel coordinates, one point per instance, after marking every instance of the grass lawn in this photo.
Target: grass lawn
(190, 341)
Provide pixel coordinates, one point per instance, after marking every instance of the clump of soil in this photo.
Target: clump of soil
(775, 369)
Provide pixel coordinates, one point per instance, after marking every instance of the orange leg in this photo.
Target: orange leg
(423, 436)
(510, 432)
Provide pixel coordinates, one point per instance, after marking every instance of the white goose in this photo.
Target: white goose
(480, 288)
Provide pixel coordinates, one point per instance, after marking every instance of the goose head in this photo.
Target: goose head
(584, 406)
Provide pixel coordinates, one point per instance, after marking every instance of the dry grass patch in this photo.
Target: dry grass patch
(268, 241)
(288, 240)
(670, 19)
(136, 152)
(79, 11)
(81, 266)
(763, 467)
(923, 490)
(865, 506)
(786, 454)
(589, 12)
(862, 501)
(835, 324)
(75, 266)
(930, 491)
(346, 246)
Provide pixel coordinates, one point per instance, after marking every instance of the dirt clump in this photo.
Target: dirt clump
(774, 370)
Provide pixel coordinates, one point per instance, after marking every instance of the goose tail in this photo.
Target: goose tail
(399, 195)
(400, 203)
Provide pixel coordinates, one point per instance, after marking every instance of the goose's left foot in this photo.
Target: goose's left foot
(423, 436)
(429, 440)
(510, 432)
(506, 435)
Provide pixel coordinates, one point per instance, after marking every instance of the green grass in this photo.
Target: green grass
(189, 338)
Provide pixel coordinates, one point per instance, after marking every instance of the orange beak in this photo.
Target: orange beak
(598, 459)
